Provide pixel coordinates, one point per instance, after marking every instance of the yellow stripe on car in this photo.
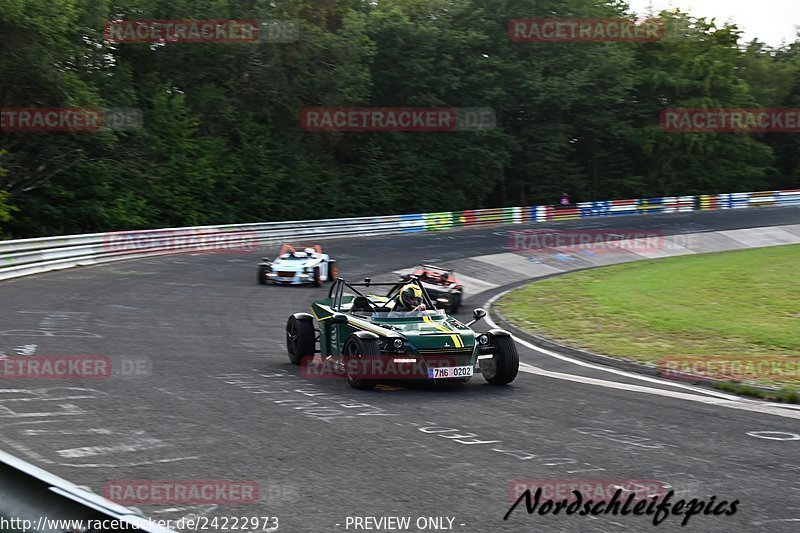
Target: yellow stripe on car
(366, 328)
(456, 338)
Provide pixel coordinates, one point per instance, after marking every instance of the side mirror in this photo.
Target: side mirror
(477, 314)
(339, 318)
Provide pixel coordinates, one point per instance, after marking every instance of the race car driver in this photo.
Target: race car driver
(409, 299)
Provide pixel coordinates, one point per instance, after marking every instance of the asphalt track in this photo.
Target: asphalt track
(216, 398)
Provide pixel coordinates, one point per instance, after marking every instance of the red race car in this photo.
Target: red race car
(441, 285)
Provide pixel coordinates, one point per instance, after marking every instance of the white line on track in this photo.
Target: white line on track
(761, 523)
(766, 408)
(700, 395)
(126, 465)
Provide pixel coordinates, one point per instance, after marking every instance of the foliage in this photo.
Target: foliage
(222, 140)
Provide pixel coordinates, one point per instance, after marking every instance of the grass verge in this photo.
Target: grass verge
(710, 307)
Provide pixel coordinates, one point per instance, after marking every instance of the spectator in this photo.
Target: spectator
(564, 199)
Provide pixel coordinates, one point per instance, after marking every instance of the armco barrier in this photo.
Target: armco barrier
(742, 200)
(30, 495)
(31, 256)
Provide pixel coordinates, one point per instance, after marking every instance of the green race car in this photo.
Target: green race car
(368, 339)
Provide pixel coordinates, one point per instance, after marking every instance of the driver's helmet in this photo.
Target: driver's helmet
(410, 297)
(311, 252)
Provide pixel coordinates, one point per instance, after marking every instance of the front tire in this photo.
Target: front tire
(262, 274)
(504, 364)
(300, 339)
(333, 270)
(358, 354)
(317, 277)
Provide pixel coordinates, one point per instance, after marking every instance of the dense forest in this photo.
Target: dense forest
(222, 141)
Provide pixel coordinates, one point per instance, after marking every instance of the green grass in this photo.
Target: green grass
(780, 396)
(743, 303)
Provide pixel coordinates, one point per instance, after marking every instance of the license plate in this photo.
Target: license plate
(447, 372)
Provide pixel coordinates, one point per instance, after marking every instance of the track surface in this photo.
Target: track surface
(220, 400)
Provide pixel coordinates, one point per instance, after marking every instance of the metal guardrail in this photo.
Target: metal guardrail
(740, 200)
(32, 256)
(36, 500)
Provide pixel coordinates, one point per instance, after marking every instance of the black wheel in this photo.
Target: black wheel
(262, 274)
(455, 303)
(502, 368)
(333, 270)
(358, 357)
(317, 277)
(300, 339)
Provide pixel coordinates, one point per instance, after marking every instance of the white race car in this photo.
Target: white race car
(298, 265)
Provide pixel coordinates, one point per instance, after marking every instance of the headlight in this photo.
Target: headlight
(483, 339)
(398, 343)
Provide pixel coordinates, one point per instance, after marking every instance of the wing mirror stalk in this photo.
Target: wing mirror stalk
(477, 314)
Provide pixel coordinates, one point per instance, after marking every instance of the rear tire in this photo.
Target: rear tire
(359, 353)
(333, 270)
(504, 362)
(317, 277)
(300, 339)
